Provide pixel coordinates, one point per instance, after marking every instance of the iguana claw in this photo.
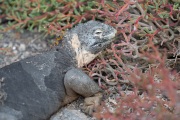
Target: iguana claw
(90, 103)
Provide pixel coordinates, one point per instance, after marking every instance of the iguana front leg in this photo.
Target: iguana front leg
(78, 83)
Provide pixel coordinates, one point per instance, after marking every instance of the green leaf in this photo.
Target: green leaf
(151, 6)
(163, 15)
(34, 14)
(76, 11)
(52, 18)
(81, 9)
(18, 15)
(31, 26)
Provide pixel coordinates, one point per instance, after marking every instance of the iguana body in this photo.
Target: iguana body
(36, 87)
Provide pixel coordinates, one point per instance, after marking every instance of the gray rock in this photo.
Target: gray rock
(22, 47)
(68, 114)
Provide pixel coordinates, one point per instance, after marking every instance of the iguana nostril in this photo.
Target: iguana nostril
(100, 45)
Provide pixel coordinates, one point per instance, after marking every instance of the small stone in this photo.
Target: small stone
(68, 114)
(22, 47)
(15, 52)
(25, 54)
(14, 47)
(10, 45)
(1, 36)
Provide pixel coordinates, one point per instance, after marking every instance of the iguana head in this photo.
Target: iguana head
(89, 39)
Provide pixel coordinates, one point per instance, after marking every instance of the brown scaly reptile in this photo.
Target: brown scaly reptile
(36, 87)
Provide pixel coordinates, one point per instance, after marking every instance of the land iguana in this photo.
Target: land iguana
(36, 87)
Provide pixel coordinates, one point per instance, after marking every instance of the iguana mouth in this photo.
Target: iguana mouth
(102, 43)
(106, 39)
(111, 35)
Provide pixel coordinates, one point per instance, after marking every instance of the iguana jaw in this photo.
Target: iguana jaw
(83, 56)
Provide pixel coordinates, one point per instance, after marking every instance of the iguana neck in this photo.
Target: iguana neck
(64, 53)
(71, 46)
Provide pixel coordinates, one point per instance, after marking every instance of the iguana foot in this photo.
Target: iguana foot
(90, 103)
(78, 83)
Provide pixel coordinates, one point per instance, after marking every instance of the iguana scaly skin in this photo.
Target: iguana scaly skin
(36, 87)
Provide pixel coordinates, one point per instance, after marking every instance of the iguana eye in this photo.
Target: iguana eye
(97, 45)
(98, 32)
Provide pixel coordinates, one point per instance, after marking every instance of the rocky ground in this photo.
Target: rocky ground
(15, 46)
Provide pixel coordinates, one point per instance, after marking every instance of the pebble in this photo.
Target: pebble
(68, 114)
(22, 47)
